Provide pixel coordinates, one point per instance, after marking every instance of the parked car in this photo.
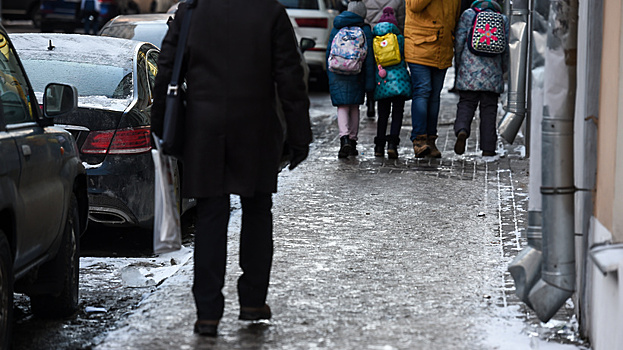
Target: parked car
(143, 27)
(43, 196)
(21, 9)
(115, 79)
(314, 19)
(65, 14)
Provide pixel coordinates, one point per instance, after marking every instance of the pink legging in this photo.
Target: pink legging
(348, 121)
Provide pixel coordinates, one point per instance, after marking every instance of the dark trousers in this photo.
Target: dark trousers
(256, 253)
(394, 106)
(468, 102)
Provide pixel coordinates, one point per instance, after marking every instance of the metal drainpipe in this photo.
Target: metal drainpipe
(518, 52)
(526, 267)
(557, 281)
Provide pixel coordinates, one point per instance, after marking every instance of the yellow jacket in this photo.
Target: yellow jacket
(429, 31)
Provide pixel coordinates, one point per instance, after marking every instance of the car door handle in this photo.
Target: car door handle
(26, 150)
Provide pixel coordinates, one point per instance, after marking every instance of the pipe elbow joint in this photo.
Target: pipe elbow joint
(547, 299)
(510, 124)
(526, 271)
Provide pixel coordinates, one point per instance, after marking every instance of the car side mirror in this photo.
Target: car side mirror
(59, 99)
(306, 44)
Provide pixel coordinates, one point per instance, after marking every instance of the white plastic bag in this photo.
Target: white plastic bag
(167, 225)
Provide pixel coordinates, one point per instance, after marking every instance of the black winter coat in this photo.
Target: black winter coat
(237, 52)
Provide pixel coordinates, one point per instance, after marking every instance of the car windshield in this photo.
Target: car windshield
(300, 4)
(99, 86)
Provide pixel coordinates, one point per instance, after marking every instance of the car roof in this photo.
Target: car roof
(78, 48)
(140, 19)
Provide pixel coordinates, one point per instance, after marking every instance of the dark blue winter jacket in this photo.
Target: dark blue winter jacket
(397, 82)
(351, 89)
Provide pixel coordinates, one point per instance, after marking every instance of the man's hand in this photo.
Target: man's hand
(298, 154)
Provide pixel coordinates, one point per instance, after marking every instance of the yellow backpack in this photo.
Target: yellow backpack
(386, 50)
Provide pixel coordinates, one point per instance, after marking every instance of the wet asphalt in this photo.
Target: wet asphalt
(372, 253)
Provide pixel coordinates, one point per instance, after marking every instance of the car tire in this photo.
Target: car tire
(64, 270)
(6, 292)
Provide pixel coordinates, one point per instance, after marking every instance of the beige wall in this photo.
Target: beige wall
(610, 111)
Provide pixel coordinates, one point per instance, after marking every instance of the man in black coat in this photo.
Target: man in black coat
(237, 52)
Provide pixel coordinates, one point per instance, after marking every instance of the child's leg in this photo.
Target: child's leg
(398, 109)
(353, 122)
(343, 117)
(488, 115)
(468, 101)
(384, 108)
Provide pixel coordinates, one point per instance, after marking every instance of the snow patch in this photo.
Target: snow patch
(143, 272)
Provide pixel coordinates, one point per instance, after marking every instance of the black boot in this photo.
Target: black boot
(379, 146)
(392, 146)
(353, 148)
(345, 147)
(370, 103)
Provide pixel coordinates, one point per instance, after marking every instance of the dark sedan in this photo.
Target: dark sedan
(114, 78)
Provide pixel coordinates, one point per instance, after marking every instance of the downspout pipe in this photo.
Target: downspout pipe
(518, 53)
(557, 281)
(526, 267)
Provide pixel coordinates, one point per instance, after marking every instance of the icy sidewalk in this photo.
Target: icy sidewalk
(375, 254)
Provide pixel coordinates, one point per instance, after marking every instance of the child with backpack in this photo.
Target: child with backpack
(393, 83)
(350, 69)
(481, 55)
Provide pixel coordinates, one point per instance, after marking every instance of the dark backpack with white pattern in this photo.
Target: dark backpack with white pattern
(487, 36)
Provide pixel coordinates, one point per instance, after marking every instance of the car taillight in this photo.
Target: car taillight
(97, 142)
(133, 140)
(122, 141)
(312, 22)
(106, 1)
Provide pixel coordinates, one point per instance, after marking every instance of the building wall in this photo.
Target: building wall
(610, 109)
(605, 291)
(606, 300)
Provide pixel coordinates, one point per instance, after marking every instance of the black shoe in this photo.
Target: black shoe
(392, 146)
(459, 146)
(353, 148)
(489, 153)
(392, 151)
(371, 113)
(255, 313)
(345, 147)
(371, 109)
(379, 146)
(206, 328)
(379, 151)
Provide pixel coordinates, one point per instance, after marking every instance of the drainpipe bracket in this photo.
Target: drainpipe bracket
(558, 190)
(607, 257)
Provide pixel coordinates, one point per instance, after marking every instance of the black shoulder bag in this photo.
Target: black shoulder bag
(172, 142)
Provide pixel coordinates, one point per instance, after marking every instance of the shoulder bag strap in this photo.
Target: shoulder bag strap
(179, 53)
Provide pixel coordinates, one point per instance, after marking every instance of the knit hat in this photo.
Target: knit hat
(357, 7)
(388, 16)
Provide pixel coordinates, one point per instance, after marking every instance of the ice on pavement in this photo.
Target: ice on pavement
(143, 272)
